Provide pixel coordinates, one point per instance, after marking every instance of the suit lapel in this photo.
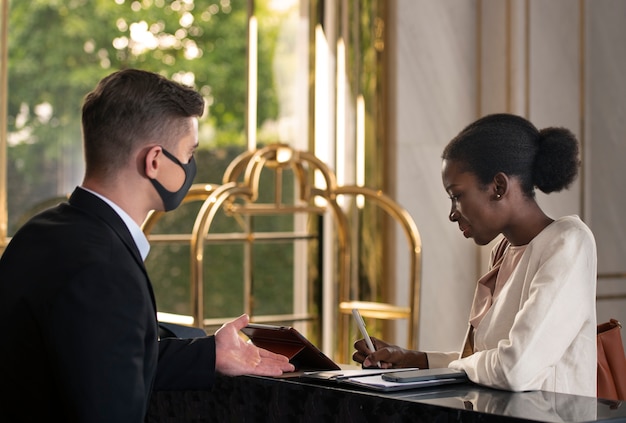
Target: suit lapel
(94, 206)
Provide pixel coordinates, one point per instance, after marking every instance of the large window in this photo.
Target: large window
(242, 55)
(307, 73)
(58, 50)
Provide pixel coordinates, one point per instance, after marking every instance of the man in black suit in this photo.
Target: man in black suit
(77, 311)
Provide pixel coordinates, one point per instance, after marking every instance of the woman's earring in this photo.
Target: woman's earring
(498, 196)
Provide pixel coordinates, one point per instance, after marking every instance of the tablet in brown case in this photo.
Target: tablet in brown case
(289, 342)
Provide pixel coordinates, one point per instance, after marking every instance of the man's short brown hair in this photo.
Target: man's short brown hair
(133, 107)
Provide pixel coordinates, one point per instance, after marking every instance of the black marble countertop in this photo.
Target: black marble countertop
(259, 399)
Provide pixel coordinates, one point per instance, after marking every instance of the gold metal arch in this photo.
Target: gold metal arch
(378, 310)
(238, 196)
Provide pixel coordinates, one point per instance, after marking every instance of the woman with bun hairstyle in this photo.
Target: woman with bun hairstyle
(532, 324)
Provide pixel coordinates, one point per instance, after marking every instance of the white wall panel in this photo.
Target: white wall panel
(435, 96)
(605, 135)
(559, 62)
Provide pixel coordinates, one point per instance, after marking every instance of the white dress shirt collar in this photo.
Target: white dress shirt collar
(135, 231)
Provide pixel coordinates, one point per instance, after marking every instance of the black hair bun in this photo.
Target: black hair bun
(557, 161)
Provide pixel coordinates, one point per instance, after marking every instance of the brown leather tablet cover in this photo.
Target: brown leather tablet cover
(289, 342)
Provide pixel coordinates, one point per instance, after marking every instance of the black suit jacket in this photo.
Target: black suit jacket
(78, 328)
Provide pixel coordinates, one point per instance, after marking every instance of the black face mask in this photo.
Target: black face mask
(171, 200)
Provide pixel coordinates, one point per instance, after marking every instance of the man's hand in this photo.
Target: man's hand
(389, 356)
(234, 356)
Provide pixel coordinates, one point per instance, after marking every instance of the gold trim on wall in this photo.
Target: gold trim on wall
(618, 275)
(4, 53)
(583, 98)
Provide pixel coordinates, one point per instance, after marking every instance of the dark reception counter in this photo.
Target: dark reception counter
(259, 399)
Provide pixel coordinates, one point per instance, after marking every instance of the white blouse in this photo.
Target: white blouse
(540, 331)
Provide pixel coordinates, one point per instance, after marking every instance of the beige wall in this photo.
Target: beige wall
(559, 63)
(605, 135)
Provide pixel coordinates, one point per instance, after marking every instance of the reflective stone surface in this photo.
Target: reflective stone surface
(257, 399)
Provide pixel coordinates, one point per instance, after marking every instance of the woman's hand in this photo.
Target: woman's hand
(389, 356)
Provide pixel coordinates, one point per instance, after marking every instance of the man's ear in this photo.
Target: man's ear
(500, 184)
(150, 162)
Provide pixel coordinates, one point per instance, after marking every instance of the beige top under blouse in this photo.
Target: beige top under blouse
(488, 288)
